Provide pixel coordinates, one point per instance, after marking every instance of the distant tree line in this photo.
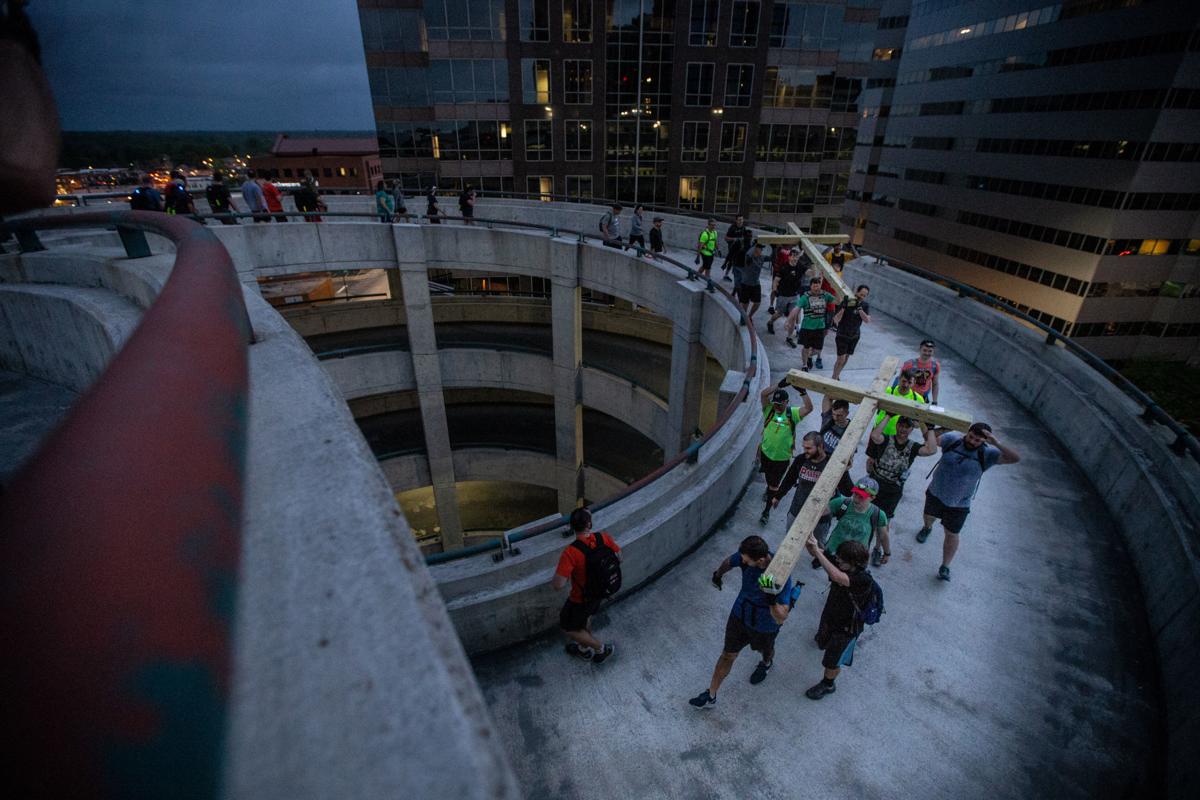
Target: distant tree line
(81, 149)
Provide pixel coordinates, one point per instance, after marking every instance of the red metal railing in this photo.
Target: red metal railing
(119, 546)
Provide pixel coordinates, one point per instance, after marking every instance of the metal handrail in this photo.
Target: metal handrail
(120, 543)
(1185, 443)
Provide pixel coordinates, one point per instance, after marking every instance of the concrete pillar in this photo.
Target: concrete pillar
(427, 372)
(395, 288)
(566, 313)
(729, 389)
(687, 370)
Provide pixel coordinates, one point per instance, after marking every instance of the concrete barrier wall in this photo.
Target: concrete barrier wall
(1152, 494)
(486, 463)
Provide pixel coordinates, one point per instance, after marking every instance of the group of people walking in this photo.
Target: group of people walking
(263, 198)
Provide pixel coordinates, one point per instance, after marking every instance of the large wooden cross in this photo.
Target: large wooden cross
(869, 402)
(809, 243)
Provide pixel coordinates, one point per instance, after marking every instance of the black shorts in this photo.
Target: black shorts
(773, 470)
(952, 518)
(888, 497)
(845, 346)
(784, 304)
(814, 339)
(574, 616)
(737, 636)
(839, 651)
(637, 239)
(705, 262)
(749, 293)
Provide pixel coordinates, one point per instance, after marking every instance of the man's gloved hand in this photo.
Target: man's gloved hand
(766, 582)
(716, 580)
(697, 261)
(783, 383)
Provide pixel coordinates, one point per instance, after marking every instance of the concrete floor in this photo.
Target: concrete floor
(1031, 674)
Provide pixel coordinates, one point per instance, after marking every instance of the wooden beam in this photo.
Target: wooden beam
(932, 415)
(791, 549)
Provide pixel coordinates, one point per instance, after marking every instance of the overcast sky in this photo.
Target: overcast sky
(205, 64)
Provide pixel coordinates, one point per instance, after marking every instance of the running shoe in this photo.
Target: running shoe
(943, 573)
(586, 653)
(703, 700)
(760, 673)
(820, 690)
(771, 327)
(599, 658)
(923, 534)
(820, 364)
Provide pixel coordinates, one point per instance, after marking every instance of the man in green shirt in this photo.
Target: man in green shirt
(810, 312)
(858, 519)
(779, 423)
(903, 388)
(706, 248)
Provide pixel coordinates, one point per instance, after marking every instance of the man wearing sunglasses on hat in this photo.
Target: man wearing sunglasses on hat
(858, 519)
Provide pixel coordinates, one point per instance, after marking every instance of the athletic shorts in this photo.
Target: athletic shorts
(574, 616)
(952, 518)
(888, 497)
(737, 636)
(773, 470)
(784, 304)
(814, 339)
(845, 346)
(749, 293)
(705, 262)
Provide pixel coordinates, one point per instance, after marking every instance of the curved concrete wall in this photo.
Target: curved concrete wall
(1152, 494)
(487, 463)
(465, 368)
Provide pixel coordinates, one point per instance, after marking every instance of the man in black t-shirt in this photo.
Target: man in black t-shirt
(803, 473)
(850, 316)
(835, 418)
(890, 457)
(786, 286)
(849, 590)
(737, 242)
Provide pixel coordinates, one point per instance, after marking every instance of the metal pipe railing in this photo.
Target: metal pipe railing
(1185, 443)
(120, 542)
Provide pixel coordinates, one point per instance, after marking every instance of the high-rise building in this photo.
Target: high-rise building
(715, 105)
(1048, 153)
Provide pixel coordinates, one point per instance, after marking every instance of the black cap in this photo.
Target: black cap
(780, 396)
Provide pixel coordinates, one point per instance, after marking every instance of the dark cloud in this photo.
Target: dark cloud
(204, 64)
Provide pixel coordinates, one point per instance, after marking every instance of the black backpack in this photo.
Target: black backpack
(958, 445)
(141, 200)
(603, 569)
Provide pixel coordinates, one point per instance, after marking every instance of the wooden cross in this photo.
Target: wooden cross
(809, 243)
(869, 402)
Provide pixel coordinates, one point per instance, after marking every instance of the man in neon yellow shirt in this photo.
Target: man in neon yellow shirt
(903, 388)
(779, 423)
(706, 248)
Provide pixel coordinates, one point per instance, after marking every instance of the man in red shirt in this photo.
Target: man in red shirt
(575, 619)
(926, 370)
(274, 199)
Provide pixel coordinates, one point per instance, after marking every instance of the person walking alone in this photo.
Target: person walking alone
(385, 204)
(706, 248)
(637, 229)
(575, 619)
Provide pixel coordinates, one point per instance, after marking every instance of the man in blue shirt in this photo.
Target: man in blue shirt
(755, 619)
(965, 457)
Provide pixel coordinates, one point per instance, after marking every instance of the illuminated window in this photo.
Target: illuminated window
(577, 22)
(540, 185)
(577, 82)
(691, 192)
(535, 81)
(1154, 247)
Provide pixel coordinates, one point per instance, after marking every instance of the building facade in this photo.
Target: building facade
(1048, 153)
(719, 106)
(346, 163)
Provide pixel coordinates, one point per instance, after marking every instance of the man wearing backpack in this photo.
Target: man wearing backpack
(851, 592)
(706, 248)
(965, 457)
(859, 520)
(592, 563)
(754, 620)
(178, 200)
(610, 227)
(146, 197)
(779, 423)
(220, 201)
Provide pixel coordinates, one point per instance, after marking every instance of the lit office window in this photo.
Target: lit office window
(540, 185)
(691, 192)
(535, 81)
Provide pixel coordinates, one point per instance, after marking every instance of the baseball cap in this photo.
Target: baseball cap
(927, 343)
(867, 487)
(780, 396)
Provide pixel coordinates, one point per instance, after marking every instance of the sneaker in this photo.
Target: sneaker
(820, 364)
(923, 534)
(808, 363)
(877, 557)
(943, 573)
(771, 327)
(790, 342)
(804, 369)
(599, 658)
(762, 520)
(820, 690)
(760, 673)
(729, 279)
(586, 653)
(703, 700)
